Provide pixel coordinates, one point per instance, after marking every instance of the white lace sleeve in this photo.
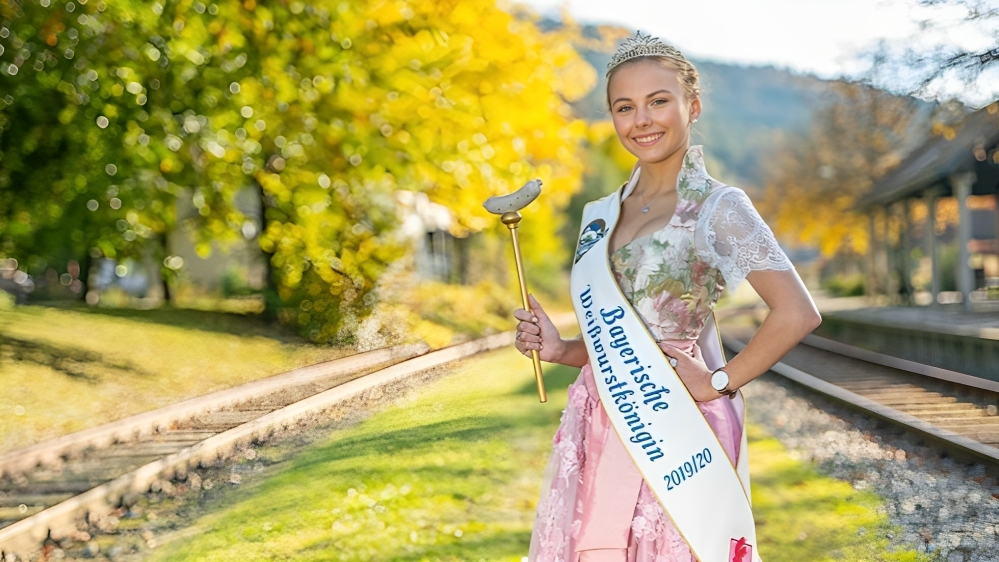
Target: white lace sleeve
(731, 236)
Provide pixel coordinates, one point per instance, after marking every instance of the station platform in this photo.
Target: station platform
(944, 336)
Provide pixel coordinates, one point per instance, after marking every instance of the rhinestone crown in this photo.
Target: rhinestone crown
(639, 45)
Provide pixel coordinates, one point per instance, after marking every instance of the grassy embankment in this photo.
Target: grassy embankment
(453, 474)
(63, 370)
(68, 368)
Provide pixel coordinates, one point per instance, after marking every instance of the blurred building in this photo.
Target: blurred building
(960, 162)
(438, 255)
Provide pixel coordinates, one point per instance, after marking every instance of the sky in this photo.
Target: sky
(827, 38)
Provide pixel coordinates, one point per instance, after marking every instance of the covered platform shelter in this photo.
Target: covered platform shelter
(959, 161)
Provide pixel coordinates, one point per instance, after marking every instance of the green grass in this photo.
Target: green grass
(802, 515)
(66, 369)
(454, 474)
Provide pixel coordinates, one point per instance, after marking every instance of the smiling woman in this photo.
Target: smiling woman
(655, 125)
(656, 265)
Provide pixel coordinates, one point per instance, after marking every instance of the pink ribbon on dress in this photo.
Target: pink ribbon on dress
(611, 481)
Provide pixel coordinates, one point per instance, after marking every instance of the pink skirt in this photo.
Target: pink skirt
(595, 506)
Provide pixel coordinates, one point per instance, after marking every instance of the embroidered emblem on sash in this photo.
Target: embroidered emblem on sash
(590, 236)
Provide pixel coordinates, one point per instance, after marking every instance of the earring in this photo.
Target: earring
(695, 120)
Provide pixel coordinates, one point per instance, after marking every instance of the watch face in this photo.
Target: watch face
(719, 380)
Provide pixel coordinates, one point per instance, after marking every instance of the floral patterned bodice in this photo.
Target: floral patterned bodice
(674, 276)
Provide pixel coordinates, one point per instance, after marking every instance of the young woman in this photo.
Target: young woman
(676, 238)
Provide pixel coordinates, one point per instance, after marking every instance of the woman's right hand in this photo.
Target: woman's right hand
(535, 331)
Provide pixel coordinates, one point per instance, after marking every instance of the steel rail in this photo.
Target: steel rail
(930, 402)
(25, 536)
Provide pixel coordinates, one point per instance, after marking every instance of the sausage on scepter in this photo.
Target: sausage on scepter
(508, 207)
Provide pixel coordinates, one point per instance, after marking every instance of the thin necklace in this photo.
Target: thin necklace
(645, 206)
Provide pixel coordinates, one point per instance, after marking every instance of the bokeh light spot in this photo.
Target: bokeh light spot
(174, 262)
(173, 142)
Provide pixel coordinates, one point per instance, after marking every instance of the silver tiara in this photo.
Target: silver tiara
(639, 45)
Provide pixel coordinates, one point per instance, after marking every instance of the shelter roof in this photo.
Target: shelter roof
(961, 148)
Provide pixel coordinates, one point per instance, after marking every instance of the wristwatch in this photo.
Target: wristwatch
(720, 382)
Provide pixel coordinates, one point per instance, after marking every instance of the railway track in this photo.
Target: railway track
(956, 411)
(49, 491)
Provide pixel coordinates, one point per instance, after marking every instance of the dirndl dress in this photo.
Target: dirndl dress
(595, 505)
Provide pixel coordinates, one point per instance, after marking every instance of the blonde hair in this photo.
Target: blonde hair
(686, 73)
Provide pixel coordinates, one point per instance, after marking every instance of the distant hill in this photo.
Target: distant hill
(746, 110)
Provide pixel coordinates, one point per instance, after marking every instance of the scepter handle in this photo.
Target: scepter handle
(512, 221)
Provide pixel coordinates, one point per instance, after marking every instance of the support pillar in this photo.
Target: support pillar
(931, 241)
(890, 286)
(872, 285)
(905, 261)
(965, 276)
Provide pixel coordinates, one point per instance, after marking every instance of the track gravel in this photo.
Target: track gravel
(943, 505)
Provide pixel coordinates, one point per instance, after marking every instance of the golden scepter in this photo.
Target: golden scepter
(508, 207)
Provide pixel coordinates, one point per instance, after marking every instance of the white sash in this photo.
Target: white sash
(680, 457)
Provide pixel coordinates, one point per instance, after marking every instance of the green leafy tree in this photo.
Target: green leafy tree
(325, 109)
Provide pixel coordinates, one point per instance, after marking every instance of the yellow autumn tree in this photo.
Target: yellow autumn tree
(324, 110)
(816, 178)
(341, 104)
(458, 99)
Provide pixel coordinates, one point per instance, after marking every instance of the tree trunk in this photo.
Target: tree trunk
(272, 302)
(165, 276)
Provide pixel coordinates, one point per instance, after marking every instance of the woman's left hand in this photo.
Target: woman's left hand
(694, 373)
